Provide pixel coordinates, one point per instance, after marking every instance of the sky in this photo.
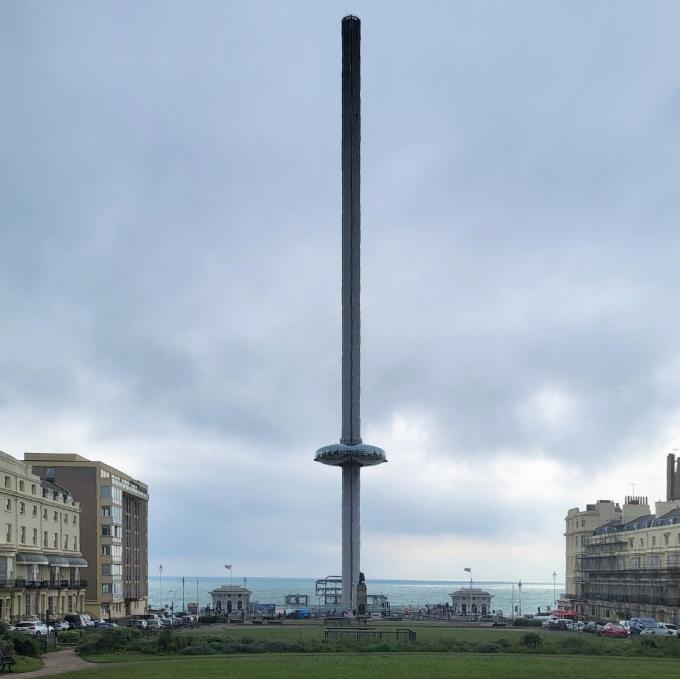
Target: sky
(170, 270)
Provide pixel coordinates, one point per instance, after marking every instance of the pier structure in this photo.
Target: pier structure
(351, 454)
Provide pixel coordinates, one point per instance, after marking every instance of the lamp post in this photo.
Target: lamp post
(469, 570)
(512, 606)
(160, 576)
(554, 590)
(184, 610)
(519, 586)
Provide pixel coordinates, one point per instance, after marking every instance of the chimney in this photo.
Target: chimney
(672, 478)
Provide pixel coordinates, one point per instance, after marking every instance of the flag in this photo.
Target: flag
(227, 566)
(469, 570)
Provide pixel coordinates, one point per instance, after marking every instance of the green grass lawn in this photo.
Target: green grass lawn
(392, 666)
(25, 664)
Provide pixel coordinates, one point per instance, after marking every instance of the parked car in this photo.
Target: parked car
(611, 629)
(639, 624)
(35, 628)
(89, 622)
(61, 626)
(578, 626)
(657, 631)
(104, 624)
(137, 622)
(673, 629)
(593, 627)
(154, 624)
(76, 620)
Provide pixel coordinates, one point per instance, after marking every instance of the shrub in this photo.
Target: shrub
(116, 640)
(169, 641)
(577, 646)
(504, 643)
(648, 642)
(531, 640)
(25, 645)
(488, 648)
(68, 636)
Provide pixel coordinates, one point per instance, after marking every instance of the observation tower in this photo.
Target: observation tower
(351, 454)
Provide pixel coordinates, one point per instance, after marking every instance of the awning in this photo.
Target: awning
(57, 560)
(76, 562)
(32, 559)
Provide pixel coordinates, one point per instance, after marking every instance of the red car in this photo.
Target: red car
(613, 630)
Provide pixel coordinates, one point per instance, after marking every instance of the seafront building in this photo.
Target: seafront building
(471, 601)
(40, 558)
(114, 530)
(624, 562)
(230, 598)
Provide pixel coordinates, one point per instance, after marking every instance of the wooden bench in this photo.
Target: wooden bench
(6, 661)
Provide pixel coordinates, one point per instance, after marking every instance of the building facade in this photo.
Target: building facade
(625, 562)
(471, 601)
(41, 565)
(230, 599)
(114, 531)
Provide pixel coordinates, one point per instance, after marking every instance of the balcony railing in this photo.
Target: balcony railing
(22, 583)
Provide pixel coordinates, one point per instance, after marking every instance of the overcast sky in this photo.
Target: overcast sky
(170, 269)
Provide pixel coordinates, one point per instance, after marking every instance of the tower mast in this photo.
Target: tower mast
(351, 454)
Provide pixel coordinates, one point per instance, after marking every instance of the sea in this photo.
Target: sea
(179, 591)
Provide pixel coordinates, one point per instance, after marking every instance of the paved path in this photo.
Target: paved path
(58, 662)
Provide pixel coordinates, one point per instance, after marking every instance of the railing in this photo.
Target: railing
(400, 634)
(633, 598)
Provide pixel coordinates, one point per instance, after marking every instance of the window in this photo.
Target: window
(8, 481)
(34, 488)
(8, 505)
(35, 536)
(65, 518)
(56, 516)
(35, 510)
(106, 511)
(55, 543)
(21, 485)
(22, 508)
(642, 542)
(8, 533)
(583, 523)
(23, 535)
(653, 540)
(45, 514)
(45, 539)
(666, 538)
(106, 588)
(65, 541)
(106, 531)
(75, 519)
(630, 542)
(106, 491)
(75, 543)
(635, 562)
(106, 550)
(653, 561)
(673, 560)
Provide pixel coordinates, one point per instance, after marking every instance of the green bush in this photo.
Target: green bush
(488, 648)
(531, 640)
(25, 645)
(577, 646)
(116, 640)
(68, 636)
(169, 641)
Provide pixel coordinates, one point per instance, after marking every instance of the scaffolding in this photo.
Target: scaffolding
(329, 590)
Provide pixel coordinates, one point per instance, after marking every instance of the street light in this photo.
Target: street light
(519, 585)
(160, 575)
(554, 590)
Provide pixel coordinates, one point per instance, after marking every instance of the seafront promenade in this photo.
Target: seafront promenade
(400, 593)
